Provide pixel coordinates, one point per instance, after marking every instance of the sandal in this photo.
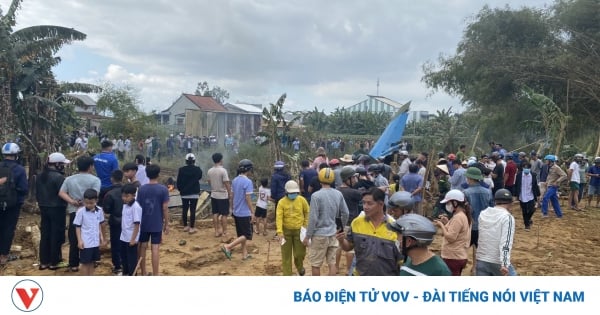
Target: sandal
(43, 267)
(226, 252)
(247, 257)
(73, 269)
(61, 264)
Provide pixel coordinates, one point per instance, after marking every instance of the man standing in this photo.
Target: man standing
(13, 189)
(105, 163)
(594, 186)
(528, 192)
(497, 227)
(72, 191)
(328, 216)
(479, 198)
(555, 177)
(373, 243)
(536, 164)
(574, 180)
(220, 194)
(242, 209)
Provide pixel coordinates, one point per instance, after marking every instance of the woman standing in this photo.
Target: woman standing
(53, 212)
(456, 231)
(188, 184)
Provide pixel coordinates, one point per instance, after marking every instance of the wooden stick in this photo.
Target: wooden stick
(598, 148)
(474, 143)
(268, 252)
(137, 266)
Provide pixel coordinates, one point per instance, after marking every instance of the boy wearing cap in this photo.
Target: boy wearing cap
(188, 184)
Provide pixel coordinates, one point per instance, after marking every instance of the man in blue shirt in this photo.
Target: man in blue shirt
(479, 198)
(105, 162)
(594, 186)
(241, 189)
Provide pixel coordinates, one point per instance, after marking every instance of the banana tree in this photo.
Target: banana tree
(551, 117)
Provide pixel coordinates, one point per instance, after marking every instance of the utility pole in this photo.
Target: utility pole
(377, 86)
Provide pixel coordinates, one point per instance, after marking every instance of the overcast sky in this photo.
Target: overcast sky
(321, 53)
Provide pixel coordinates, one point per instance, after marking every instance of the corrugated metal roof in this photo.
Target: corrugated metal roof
(248, 108)
(387, 101)
(84, 98)
(206, 103)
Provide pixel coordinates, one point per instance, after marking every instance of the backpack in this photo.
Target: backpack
(8, 190)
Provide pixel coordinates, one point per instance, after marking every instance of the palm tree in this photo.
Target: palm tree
(32, 102)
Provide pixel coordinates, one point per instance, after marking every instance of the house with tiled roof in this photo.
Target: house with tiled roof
(204, 116)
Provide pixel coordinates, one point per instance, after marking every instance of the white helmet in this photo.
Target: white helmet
(10, 148)
(454, 194)
(292, 187)
(58, 157)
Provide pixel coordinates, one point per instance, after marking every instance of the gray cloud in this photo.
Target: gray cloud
(328, 52)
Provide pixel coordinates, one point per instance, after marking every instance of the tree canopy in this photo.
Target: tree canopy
(553, 51)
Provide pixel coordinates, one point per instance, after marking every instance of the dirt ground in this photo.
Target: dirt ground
(554, 247)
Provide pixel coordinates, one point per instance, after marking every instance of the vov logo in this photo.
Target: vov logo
(27, 295)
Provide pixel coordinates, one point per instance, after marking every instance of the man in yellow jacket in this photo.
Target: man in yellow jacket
(291, 216)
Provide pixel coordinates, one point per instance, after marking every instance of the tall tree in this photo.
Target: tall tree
(127, 118)
(219, 94)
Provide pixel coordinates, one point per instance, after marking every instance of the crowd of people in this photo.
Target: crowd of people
(367, 211)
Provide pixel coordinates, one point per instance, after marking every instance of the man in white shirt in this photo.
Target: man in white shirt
(574, 181)
(496, 236)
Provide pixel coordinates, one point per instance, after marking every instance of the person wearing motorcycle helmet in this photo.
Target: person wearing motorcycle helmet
(417, 233)
(456, 231)
(374, 245)
(379, 180)
(593, 172)
(364, 182)
(574, 181)
(353, 198)
(555, 177)
(278, 180)
(334, 164)
(14, 178)
(496, 235)
(400, 203)
(328, 216)
(243, 215)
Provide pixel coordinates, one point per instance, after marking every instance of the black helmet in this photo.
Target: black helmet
(503, 195)
(376, 168)
(361, 171)
(347, 172)
(245, 165)
(416, 226)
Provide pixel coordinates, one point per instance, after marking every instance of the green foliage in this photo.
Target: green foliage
(127, 118)
(553, 51)
(219, 94)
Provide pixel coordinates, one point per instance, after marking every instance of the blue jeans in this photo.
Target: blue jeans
(552, 196)
(484, 268)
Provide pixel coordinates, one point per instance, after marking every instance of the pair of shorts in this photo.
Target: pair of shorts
(474, 238)
(260, 212)
(593, 190)
(89, 255)
(243, 227)
(322, 249)
(574, 186)
(153, 237)
(219, 206)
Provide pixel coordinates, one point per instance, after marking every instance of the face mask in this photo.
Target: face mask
(526, 171)
(292, 196)
(449, 207)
